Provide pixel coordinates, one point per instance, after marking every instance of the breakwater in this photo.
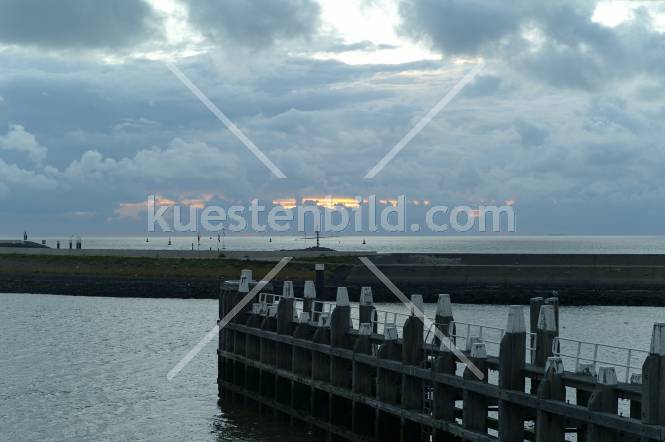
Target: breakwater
(356, 373)
(469, 278)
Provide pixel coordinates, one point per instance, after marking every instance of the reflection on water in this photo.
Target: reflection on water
(81, 368)
(78, 368)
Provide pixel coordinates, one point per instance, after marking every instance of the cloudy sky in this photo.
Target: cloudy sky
(567, 118)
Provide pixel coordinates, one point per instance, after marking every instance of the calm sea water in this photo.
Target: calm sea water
(386, 244)
(84, 368)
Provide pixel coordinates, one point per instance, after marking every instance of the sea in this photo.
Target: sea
(380, 244)
(92, 368)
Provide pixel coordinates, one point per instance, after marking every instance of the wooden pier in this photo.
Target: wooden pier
(351, 372)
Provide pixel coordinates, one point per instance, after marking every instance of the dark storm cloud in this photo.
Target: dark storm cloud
(458, 26)
(67, 24)
(255, 24)
(569, 51)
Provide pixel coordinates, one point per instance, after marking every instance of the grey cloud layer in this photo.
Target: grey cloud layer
(66, 24)
(256, 23)
(566, 49)
(540, 125)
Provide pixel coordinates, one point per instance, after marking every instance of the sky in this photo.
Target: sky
(566, 120)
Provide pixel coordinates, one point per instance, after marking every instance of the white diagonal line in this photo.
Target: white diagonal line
(424, 121)
(402, 297)
(227, 318)
(225, 120)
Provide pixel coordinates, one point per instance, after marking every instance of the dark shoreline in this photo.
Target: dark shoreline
(471, 278)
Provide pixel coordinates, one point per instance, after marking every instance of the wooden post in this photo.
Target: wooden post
(550, 427)
(285, 325)
(443, 318)
(474, 414)
(243, 288)
(340, 368)
(512, 354)
(534, 314)
(302, 357)
(413, 354)
(388, 387)
(366, 307)
(320, 400)
(364, 382)
(225, 298)
(585, 369)
(301, 394)
(653, 379)
(545, 335)
(284, 351)
(309, 296)
(340, 320)
(320, 280)
(443, 403)
(554, 302)
(604, 399)
(285, 310)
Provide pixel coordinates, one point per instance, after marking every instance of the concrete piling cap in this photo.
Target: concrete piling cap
(310, 290)
(546, 318)
(636, 378)
(555, 363)
(586, 369)
(366, 297)
(287, 289)
(607, 376)
(515, 320)
(342, 297)
(272, 310)
(247, 273)
(417, 305)
(443, 306)
(324, 320)
(445, 345)
(303, 318)
(478, 350)
(472, 340)
(243, 285)
(658, 339)
(390, 332)
(319, 267)
(365, 329)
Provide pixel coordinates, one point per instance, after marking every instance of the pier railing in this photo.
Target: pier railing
(349, 381)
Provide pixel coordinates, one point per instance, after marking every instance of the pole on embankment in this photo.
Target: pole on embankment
(512, 354)
(653, 379)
